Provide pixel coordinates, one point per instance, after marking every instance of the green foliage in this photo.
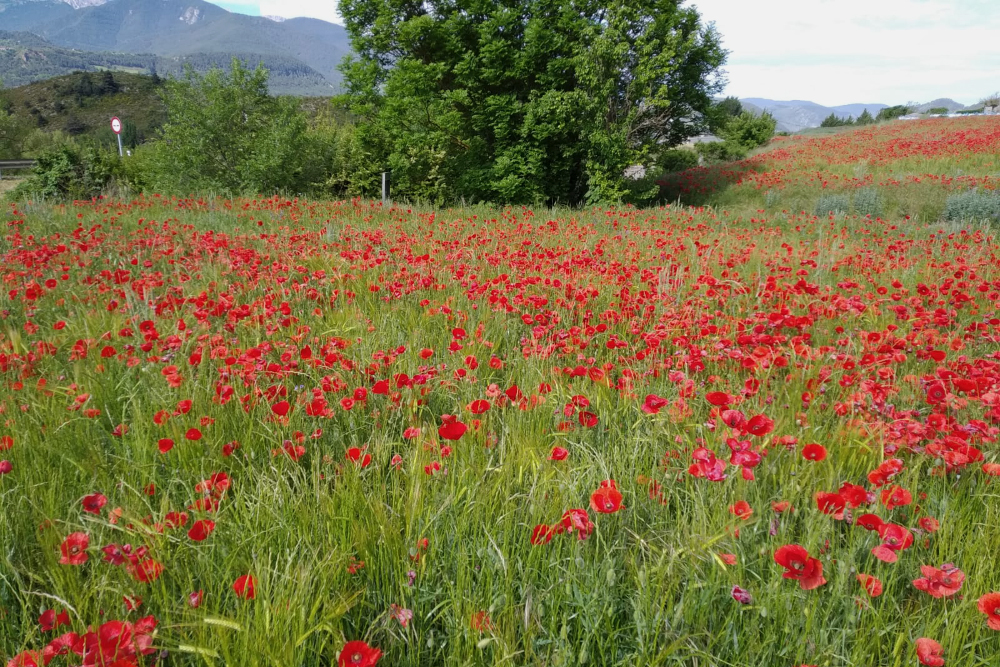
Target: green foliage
(526, 101)
(833, 120)
(715, 152)
(69, 172)
(676, 159)
(973, 206)
(52, 105)
(868, 201)
(721, 112)
(865, 118)
(937, 110)
(225, 132)
(893, 112)
(837, 204)
(749, 131)
(13, 132)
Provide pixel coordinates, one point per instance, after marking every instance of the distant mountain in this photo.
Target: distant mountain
(25, 58)
(187, 30)
(796, 115)
(948, 103)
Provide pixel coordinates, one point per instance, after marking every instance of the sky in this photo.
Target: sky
(872, 51)
(827, 51)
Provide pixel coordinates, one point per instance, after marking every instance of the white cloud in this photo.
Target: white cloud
(318, 9)
(844, 51)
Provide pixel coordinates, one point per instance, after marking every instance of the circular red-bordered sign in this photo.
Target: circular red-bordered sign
(116, 125)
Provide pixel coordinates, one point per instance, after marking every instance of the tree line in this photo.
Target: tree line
(515, 101)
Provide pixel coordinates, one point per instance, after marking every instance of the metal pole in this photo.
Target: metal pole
(119, 144)
(385, 187)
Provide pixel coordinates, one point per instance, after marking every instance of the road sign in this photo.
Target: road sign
(116, 127)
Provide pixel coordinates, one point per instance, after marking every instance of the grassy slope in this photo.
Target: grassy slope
(138, 101)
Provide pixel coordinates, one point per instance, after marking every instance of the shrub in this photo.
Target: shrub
(868, 201)
(721, 151)
(937, 111)
(749, 131)
(838, 204)
(891, 113)
(973, 206)
(677, 159)
(225, 132)
(69, 172)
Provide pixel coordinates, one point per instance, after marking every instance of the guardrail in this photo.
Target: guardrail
(15, 164)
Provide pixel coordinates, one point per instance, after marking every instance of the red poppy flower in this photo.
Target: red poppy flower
(193, 434)
(831, 503)
(145, 570)
(719, 398)
(452, 431)
(542, 534)
(93, 503)
(201, 529)
(479, 406)
(50, 620)
(814, 452)
(929, 523)
(929, 652)
(989, 604)
(653, 404)
(606, 500)
(940, 582)
(281, 408)
(558, 454)
(359, 456)
(26, 659)
(759, 425)
(895, 496)
(587, 419)
(741, 510)
(245, 587)
(870, 521)
(578, 520)
(800, 566)
(194, 599)
(741, 595)
(6, 467)
(165, 445)
(358, 654)
(6, 442)
(872, 585)
(894, 538)
(74, 549)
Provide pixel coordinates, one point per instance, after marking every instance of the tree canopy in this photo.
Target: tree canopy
(526, 100)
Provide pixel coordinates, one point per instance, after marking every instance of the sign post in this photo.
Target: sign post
(385, 187)
(116, 127)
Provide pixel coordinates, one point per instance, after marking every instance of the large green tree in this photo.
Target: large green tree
(526, 100)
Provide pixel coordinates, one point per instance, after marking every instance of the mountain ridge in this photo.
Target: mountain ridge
(184, 29)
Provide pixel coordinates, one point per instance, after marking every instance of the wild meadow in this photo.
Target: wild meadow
(283, 432)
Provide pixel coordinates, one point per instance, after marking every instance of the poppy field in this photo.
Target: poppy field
(285, 432)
